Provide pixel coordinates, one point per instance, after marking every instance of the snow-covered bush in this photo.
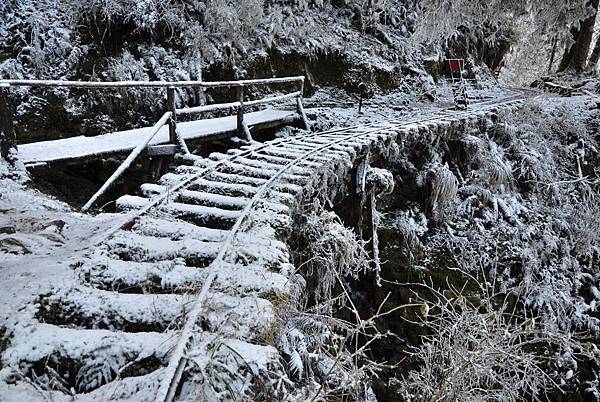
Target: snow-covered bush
(331, 253)
(525, 230)
(442, 187)
(315, 341)
(151, 39)
(235, 21)
(481, 351)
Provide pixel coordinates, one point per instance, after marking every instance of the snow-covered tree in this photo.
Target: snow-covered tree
(548, 23)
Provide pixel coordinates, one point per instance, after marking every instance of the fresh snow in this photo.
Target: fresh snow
(123, 141)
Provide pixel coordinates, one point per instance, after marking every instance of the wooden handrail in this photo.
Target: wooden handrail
(231, 105)
(271, 99)
(208, 108)
(148, 84)
(170, 86)
(172, 107)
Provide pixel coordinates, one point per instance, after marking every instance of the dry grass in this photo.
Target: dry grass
(479, 350)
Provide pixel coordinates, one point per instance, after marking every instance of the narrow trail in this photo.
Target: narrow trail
(193, 261)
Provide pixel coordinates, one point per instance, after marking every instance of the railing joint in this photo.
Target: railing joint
(172, 107)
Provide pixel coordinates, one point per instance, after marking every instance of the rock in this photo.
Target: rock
(7, 229)
(56, 225)
(13, 246)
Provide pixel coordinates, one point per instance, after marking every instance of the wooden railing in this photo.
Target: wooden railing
(170, 87)
(170, 117)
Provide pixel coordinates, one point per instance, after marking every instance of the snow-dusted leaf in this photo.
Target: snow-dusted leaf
(296, 365)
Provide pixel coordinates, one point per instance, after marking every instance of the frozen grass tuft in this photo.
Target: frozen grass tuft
(442, 189)
(330, 251)
(478, 353)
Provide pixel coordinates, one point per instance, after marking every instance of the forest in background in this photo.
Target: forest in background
(389, 44)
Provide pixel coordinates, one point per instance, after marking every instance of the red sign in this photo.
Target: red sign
(456, 65)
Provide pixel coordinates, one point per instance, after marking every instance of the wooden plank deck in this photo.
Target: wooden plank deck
(81, 147)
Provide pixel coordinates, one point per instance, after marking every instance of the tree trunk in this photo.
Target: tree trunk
(593, 62)
(575, 57)
(552, 54)
(7, 132)
(582, 49)
(565, 62)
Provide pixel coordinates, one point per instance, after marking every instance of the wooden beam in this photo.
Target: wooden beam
(172, 107)
(162, 150)
(231, 105)
(208, 108)
(37, 165)
(300, 107)
(7, 133)
(242, 127)
(273, 99)
(240, 109)
(361, 175)
(125, 165)
(181, 142)
(303, 118)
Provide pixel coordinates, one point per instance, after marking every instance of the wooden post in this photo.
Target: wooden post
(172, 107)
(368, 226)
(362, 89)
(374, 291)
(371, 227)
(240, 110)
(300, 107)
(7, 133)
(242, 127)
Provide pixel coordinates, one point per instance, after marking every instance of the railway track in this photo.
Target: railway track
(194, 268)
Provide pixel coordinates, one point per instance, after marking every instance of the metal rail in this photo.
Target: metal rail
(168, 388)
(132, 217)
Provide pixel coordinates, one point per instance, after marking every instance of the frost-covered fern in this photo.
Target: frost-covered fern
(442, 187)
(332, 253)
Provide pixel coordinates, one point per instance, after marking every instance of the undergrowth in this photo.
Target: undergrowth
(509, 276)
(321, 349)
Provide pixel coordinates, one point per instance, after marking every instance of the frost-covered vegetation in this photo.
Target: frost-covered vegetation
(331, 42)
(387, 43)
(508, 275)
(488, 284)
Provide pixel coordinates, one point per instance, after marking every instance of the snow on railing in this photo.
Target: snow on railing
(210, 108)
(171, 101)
(127, 162)
(171, 116)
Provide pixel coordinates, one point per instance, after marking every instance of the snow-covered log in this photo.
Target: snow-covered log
(125, 165)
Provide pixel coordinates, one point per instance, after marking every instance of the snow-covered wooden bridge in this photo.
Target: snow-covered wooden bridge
(74, 149)
(79, 148)
(195, 266)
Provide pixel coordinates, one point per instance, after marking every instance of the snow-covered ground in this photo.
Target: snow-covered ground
(39, 237)
(43, 242)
